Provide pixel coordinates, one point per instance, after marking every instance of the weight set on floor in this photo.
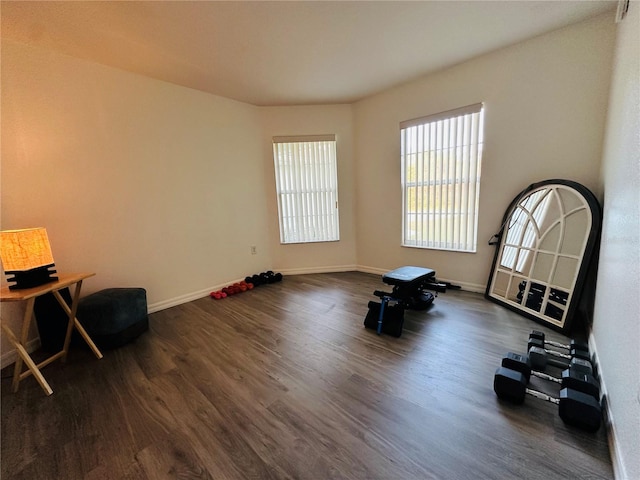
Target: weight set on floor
(264, 278)
(231, 290)
(270, 277)
(579, 399)
(247, 284)
(574, 352)
(574, 344)
(570, 378)
(540, 358)
(575, 408)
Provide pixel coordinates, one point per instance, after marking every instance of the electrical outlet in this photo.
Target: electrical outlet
(254, 250)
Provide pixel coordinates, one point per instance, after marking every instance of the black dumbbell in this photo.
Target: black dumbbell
(270, 277)
(573, 350)
(267, 277)
(575, 408)
(574, 344)
(571, 377)
(539, 358)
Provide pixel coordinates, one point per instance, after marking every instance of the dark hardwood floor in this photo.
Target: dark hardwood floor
(283, 382)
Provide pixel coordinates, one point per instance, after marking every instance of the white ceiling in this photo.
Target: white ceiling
(286, 53)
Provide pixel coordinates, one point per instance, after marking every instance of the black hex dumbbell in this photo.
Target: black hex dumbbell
(541, 357)
(572, 377)
(575, 408)
(573, 344)
(576, 349)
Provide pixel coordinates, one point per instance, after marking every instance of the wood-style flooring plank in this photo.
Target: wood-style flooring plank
(284, 382)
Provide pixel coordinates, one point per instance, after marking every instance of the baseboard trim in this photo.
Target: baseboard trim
(7, 358)
(619, 470)
(374, 270)
(187, 297)
(312, 270)
(468, 287)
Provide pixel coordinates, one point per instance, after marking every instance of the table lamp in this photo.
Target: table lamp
(26, 254)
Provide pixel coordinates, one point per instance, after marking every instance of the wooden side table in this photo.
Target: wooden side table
(29, 295)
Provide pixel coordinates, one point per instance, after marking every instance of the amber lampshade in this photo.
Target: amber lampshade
(26, 254)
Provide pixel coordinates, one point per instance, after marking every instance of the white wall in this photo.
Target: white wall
(616, 327)
(143, 182)
(545, 108)
(311, 120)
(155, 185)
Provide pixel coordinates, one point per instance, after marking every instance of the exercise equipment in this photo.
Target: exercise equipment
(270, 277)
(574, 344)
(392, 322)
(238, 287)
(539, 358)
(573, 351)
(254, 280)
(264, 278)
(409, 285)
(570, 378)
(575, 408)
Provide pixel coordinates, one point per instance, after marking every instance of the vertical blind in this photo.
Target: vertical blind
(307, 188)
(441, 158)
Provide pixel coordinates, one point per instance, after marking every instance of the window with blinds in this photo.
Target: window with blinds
(307, 188)
(441, 159)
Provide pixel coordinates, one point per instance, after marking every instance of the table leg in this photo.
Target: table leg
(23, 355)
(24, 335)
(83, 333)
(73, 322)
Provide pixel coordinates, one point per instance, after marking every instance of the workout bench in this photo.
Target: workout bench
(409, 285)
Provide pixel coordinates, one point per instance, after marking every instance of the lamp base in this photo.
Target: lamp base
(31, 278)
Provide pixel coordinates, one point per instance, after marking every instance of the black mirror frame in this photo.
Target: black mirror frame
(586, 262)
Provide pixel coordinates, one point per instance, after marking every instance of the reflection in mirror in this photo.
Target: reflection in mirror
(547, 237)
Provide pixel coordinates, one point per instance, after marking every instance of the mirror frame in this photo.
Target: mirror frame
(574, 293)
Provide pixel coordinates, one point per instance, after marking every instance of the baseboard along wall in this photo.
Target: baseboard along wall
(9, 357)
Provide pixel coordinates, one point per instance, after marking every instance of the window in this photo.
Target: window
(441, 160)
(307, 188)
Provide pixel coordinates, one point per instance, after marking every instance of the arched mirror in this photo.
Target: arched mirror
(544, 248)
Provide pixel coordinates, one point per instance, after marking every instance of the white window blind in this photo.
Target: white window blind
(441, 158)
(307, 188)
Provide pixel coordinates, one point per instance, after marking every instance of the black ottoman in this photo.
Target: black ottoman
(114, 316)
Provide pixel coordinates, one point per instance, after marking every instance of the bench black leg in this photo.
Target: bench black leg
(383, 304)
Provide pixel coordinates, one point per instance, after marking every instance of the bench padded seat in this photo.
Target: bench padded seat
(408, 275)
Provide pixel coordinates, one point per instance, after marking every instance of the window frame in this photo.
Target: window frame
(442, 197)
(307, 189)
